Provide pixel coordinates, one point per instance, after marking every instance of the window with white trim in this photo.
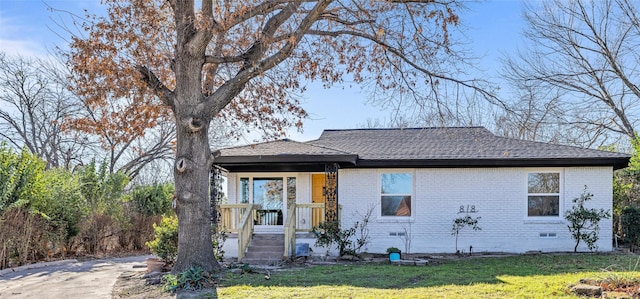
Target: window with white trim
(395, 194)
(543, 194)
(270, 195)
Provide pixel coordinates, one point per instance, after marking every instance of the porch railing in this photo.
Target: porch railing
(232, 214)
(245, 231)
(309, 215)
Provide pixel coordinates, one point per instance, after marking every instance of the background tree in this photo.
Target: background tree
(244, 62)
(131, 134)
(536, 113)
(40, 113)
(34, 99)
(583, 54)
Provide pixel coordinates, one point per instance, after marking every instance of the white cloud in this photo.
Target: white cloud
(24, 48)
(18, 36)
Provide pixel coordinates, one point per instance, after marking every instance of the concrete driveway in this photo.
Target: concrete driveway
(67, 279)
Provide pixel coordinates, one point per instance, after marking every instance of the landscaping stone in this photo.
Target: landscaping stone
(151, 275)
(587, 290)
(616, 295)
(421, 262)
(154, 265)
(411, 262)
(348, 257)
(153, 280)
(404, 262)
(321, 263)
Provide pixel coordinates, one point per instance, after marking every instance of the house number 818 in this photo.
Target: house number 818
(468, 209)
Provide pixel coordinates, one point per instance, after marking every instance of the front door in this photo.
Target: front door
(317, 196)
(268, 195)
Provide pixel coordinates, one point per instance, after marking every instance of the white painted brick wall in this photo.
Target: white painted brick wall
(499, 195)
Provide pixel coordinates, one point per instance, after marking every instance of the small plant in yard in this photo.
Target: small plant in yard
(329, 232)
(393, 250)
(165, 245)
(462, 222)
(407, 238)
(195, 278)
(362, 238)
(584, 223)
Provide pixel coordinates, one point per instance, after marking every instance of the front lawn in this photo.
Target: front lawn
(539, 276)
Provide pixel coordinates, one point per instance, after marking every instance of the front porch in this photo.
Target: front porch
(243, 221)
(280, 188)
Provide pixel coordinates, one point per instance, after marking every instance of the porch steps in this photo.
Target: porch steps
(265, 249)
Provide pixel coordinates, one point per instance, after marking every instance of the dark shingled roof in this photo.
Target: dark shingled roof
(279, 148)
(283, 151)
(422, 147)
(446, 143)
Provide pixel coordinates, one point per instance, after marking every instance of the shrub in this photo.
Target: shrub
(40, 210)
(631, 225)
(24, 237)
(165, 245)
(20, 178)
(62, 204)
(103, 197)
(349, 241)
(328, 233)
(584, 224)
(102, 190)
(153, 199)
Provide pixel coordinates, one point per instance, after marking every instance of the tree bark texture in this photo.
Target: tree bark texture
(191, 171)
(192, 205)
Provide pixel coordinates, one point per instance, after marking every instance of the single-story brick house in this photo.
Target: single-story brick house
(416, 181)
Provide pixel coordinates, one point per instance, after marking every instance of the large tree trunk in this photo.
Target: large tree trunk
(192, 204)
(191, 171)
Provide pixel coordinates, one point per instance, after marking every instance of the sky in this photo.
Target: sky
(492, 27)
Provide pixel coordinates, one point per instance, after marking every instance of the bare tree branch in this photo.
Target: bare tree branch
(586, 51)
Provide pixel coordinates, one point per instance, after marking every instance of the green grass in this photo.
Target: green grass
(541, 276)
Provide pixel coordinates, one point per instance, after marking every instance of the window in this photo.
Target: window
(395, 194)
(267, 192)
(270, 196)
(291, 191)
(543, 194)
(244, 190)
